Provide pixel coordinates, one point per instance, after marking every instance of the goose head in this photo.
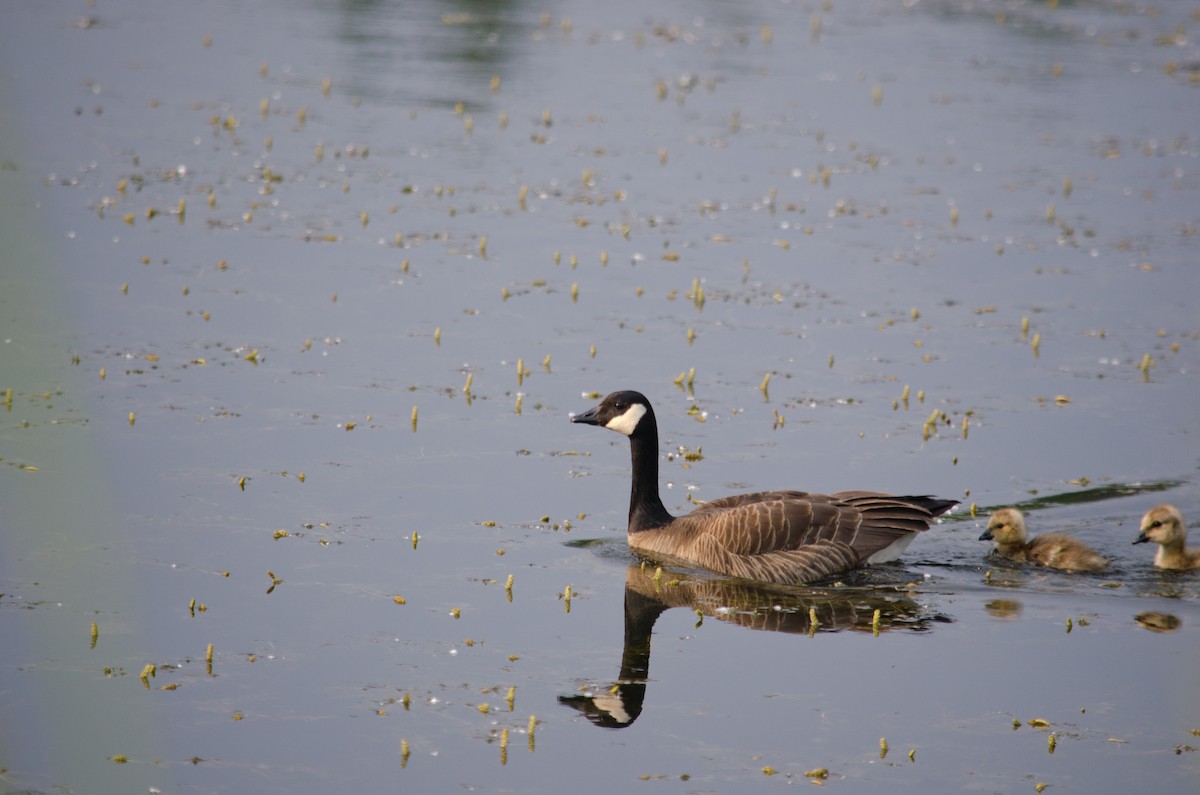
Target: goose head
(1162, 524)
(1005, 526)
(610, 709)
(622, 412)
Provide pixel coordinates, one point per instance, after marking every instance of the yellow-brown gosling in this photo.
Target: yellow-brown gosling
(785, 537)
(1054, 550)
(1163, 524)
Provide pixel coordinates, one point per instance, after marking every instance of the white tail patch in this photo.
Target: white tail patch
(627, 423)
(892, 551)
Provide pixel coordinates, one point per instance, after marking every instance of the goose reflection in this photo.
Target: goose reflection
(650, 592)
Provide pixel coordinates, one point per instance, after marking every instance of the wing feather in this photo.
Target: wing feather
(790, 537)
(719, 533)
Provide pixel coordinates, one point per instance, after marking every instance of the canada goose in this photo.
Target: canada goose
(1054, 550)
(1163, 524)
(784, 537)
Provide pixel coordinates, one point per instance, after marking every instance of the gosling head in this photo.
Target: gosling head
(1005, 526)
(621, 412)
(1162, 524)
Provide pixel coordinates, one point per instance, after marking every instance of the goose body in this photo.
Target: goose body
(783, 537)
(1054, 550)
(1163, 524)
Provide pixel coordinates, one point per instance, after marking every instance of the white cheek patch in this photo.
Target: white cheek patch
(612, 706)
(626, 423)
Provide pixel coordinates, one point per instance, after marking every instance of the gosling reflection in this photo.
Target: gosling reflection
(1003, 608)
(799, 611)
(1158, 622)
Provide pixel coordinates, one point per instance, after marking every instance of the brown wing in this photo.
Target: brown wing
(767, 521)
(894, 514)
(774, 521)
(808, 564)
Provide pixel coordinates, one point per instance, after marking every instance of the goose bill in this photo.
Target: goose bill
(588, 417)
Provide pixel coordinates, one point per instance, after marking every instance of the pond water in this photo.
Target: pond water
(296, 301)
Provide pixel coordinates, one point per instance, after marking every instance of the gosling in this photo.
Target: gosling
(1163, 524)
(1054, 550)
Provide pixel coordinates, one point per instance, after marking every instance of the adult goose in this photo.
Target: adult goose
(782, 537)
(1054, 550)
(1163, 524)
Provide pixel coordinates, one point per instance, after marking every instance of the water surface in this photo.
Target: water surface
(254, 254)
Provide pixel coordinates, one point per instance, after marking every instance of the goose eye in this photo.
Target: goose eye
(1155, 524)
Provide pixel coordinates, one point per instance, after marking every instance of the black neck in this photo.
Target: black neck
(646, 510)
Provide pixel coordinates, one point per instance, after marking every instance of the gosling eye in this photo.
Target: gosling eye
(1155, 523)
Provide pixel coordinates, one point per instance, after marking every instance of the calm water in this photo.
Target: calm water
(253, 255)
